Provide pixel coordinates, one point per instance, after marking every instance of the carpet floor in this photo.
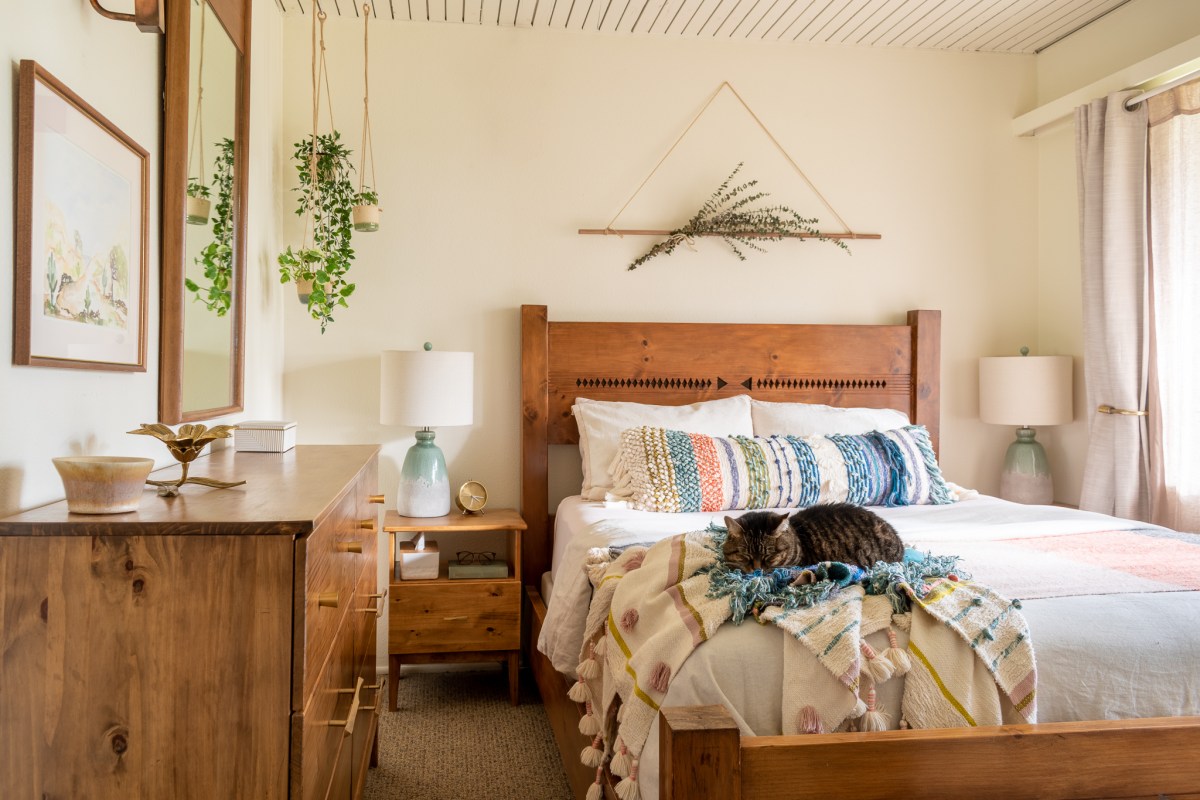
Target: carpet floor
(455, 735)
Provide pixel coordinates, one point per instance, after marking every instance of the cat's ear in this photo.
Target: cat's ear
(732, 525)
(782, 525)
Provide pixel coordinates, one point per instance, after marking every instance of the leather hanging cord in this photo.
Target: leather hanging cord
(771, 136)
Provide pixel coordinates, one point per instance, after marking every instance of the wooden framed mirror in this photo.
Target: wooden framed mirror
(205, 139)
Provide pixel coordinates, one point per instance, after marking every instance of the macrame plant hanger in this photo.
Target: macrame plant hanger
(366, 211)
(319, 72)
(609, 230)
(198, 205)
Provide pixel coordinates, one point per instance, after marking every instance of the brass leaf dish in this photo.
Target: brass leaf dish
(185, 445)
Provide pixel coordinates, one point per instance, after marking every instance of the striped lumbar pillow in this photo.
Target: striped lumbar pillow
(657, 469)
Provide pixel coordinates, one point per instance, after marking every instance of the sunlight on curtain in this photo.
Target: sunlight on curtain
(1110, 147)
(1174, 156)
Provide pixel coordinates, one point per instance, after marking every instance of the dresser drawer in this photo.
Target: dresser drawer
(316, 741)
(338, 555)
(454, 617)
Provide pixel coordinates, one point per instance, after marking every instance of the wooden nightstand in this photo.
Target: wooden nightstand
(442, 621)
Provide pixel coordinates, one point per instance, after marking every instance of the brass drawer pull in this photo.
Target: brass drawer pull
(327, 600)
(453, 619)
(377, 688)
(350, 547)
(377, 610)
(375, 498)
(348, 722)
(366, 524)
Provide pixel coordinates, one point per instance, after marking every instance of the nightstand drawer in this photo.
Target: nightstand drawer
(452, 617)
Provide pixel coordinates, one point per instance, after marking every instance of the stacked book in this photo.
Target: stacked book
(475, 569)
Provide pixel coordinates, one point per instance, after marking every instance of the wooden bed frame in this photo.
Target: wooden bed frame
(702, 753)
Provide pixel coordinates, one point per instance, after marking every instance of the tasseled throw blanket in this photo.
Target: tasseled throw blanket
(968, 649)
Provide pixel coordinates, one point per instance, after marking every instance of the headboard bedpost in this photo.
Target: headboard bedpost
(927, 371)
(535, 410)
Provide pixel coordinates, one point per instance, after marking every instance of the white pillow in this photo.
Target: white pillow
(601, 423)
(813, 419)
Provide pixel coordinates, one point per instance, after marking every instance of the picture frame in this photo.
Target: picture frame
(80, 233)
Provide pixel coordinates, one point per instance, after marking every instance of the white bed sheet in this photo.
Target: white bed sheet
(1141, 669)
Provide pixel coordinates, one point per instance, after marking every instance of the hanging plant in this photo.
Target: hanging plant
(366, 209)
(326, 198)
(216, 259)
(728, 214)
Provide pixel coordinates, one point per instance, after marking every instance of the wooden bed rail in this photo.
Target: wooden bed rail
(704, 757)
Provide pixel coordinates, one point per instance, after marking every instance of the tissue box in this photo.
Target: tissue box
(264, 436)
(417, 565)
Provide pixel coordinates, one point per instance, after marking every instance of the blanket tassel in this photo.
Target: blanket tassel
(879, 669)
(627, 789)
(810, 721)
(899, 659)
(588, 724)
(621, 762)
(580, 692)
(873, 720)
(596, 790)
(593, 754)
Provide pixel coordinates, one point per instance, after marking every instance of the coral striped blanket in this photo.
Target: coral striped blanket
(968, 658)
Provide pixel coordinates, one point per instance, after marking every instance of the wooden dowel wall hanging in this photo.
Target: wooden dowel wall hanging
(730, 213)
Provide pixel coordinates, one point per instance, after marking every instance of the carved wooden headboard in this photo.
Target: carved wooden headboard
(878, 366)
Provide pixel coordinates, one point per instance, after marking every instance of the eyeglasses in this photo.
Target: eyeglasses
(468, 557)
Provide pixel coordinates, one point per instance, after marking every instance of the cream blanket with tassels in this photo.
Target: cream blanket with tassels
(969, 659)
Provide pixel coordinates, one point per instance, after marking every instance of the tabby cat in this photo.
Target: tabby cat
(831, 532)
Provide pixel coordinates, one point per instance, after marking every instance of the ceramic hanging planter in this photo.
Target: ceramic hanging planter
(303, 290)
(198, 209)
(366, 217)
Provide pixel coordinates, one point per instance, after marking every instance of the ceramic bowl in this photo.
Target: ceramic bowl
(103, 484)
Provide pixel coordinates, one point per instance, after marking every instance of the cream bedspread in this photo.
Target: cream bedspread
(1127, 647)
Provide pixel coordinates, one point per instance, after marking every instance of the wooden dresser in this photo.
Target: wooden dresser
(218, 644)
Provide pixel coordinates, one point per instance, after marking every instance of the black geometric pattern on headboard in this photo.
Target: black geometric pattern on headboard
(832, 384)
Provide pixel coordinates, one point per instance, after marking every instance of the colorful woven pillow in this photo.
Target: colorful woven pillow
(657, 469)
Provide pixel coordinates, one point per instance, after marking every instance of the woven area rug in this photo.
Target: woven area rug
(455, 735)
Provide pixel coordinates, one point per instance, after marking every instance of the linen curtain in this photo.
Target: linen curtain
(1174, 209)
(1110, 146)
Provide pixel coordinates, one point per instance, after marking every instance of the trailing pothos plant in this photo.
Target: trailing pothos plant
(326, 198)
(216, 258)
(728, 214)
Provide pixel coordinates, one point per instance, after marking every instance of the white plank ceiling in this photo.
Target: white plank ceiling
(996, 26)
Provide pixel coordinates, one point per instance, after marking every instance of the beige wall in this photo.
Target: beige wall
(51, 412)
(1134, 32)
(494, 146)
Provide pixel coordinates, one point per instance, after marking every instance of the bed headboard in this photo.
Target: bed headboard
(670, 363)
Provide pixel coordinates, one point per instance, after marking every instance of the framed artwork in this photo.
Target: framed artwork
(79, 277)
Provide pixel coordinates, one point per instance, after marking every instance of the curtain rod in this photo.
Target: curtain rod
(1133, 102)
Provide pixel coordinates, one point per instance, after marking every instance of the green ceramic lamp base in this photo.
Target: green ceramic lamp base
(424, 489)
(1026, 477)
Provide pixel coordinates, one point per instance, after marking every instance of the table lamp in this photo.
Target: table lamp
(1026, 390)
(425, 389)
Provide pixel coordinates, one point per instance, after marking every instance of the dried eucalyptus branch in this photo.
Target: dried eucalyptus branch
(728, 215)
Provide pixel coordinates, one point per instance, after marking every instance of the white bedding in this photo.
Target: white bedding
(1125, 654)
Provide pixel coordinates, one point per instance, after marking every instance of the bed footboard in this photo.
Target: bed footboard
(704, 757)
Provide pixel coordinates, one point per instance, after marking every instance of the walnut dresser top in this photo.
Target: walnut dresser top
(284, 494)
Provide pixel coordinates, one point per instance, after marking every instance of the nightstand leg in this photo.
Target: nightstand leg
(514, 659)
(393, 680)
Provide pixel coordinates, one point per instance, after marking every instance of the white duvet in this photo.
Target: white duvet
(1130, 650)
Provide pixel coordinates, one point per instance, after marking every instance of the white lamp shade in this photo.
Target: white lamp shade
(426, 388)
(1025, 390)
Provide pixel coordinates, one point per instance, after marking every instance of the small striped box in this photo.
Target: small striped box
(264, 436)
